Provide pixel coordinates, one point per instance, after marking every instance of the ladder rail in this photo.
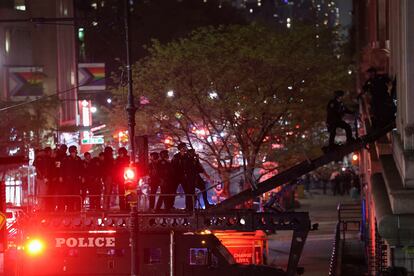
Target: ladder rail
(301, 169)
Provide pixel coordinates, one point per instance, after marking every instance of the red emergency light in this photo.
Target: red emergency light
(35, 247)
(130, 173)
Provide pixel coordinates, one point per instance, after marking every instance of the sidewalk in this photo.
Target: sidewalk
(317, 251)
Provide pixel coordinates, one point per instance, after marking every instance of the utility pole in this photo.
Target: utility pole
(131, 110)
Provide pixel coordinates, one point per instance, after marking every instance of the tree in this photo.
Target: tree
(234, 91)
(27, 126)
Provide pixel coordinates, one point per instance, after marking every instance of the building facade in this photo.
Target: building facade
(384, 37)
(38, 58)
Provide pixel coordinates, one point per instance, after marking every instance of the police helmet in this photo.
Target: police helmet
(122, 150)
(339, 93)
(182, 146)
(73, 149)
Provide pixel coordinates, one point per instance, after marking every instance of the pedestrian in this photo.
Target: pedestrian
(121, 162)
(335, 112)
(154, 178)
(72, 174)
(186, 172)
(200, 184)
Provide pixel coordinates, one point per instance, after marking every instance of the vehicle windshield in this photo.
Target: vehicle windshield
(225, 253)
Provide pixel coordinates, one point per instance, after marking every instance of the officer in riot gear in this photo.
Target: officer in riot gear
(72, 173)
(167, 182)
(335, 112)
(381, 102)
(91, 181)
(186, 174)
(154, 178)
(121, 162)
(58, 187)
(108, 175)
(200, 184)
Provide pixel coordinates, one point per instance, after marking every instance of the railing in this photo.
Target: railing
(101, 202)
(348, 215)
(333, 265)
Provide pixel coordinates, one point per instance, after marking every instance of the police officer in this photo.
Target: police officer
(335, 112)
(200, 184)
(167, 182)
(58, 175)
(382, 106)
(72, 173)
(154, 178)
(186, 172)
(121, 162)
(91, 180)
(108, 175)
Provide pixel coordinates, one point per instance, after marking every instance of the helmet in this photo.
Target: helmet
(73, 149)
(339, 93)
(108, 150)
(122, 150)
(181, 146)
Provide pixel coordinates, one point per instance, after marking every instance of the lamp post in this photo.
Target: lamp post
(131, 110)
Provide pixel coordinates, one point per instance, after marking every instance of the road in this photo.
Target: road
(317, 251)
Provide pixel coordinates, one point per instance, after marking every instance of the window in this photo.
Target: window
(198, 256)
(152, 255)
(7, 38)
(20, 5)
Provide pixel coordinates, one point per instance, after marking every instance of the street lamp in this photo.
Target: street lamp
(131, 109)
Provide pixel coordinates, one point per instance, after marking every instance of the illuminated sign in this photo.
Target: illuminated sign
(93, 140)
(91, 76)
(243, 256)
(86, 242)
(246, 254)
(23, 82)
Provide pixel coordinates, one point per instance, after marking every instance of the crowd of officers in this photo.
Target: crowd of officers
(381, 91)
(185, 169)
(64, 180)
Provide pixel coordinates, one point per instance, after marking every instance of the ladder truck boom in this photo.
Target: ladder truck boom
(301, 169)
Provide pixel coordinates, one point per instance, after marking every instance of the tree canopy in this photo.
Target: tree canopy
(240, 95)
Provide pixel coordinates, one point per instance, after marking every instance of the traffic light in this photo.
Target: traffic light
(131, 184)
